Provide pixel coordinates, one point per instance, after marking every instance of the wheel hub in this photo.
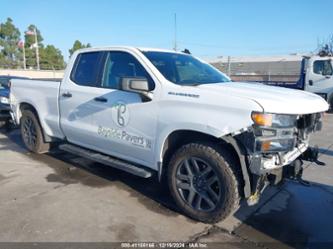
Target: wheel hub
(198, 184)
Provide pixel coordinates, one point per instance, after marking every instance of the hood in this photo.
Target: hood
(273, 99)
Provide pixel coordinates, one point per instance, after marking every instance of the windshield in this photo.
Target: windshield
(184, 69)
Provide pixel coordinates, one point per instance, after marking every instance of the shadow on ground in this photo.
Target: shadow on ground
(298, 217)
(70, 169)
(326, 152)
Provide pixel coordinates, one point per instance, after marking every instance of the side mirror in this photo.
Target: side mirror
(135, 84)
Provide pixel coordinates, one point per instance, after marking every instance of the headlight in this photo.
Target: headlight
(274, 120)
(4, 100)
(274, 132)
(275, 145)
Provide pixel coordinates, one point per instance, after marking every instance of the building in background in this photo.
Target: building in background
(260, 68)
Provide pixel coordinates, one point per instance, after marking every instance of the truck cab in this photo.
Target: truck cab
(319, 77)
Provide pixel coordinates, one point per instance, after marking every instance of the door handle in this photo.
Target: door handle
(311, 82)
(67, 95)
(101, 99)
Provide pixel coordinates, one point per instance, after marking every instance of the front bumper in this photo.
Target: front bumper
(265, 162)
(4, 112)
(261, 164)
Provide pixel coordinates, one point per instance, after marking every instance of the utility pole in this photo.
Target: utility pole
(24, 59)
(21, 45)
(175, 44)
(37, 50)
(229, 66)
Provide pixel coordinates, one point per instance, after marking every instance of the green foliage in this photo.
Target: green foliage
(326, 48)
(78, 45)
(51, 58)
(9, 52)
(11, 56)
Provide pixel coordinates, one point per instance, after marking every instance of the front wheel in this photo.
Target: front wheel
(202, 182)
(32, 133)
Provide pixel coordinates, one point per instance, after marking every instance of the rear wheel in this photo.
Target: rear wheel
(32, 133)
(203, 183)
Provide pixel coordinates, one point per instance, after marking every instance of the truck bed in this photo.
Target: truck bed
(43, 95)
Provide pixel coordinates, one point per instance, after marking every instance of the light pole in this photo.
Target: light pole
(37, 50)
(175, 44)
(34, 33)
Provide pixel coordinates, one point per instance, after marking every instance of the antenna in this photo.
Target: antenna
(175, 44)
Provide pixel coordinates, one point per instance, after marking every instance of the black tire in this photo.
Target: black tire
(2, 124)
(226, 186)
(32, 133)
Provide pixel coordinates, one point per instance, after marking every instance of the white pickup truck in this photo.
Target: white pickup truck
(163, 113)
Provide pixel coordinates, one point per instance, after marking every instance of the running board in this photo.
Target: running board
(107, 160)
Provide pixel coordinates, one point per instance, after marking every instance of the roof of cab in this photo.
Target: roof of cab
(143, 49)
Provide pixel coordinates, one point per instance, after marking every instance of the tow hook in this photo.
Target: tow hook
(261, 184)
(312, 155)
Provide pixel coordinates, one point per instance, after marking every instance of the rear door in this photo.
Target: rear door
(77, 99)
(319, 75)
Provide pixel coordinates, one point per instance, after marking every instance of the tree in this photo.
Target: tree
(78, 45)
(51, 58)
(9, 37)
(30, 50)
(326, 48)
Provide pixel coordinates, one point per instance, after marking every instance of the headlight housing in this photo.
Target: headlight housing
(4, 100)
(274, 120)
(274, 132)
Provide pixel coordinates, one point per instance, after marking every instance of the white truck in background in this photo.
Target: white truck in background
(316, 76)
(158, 112)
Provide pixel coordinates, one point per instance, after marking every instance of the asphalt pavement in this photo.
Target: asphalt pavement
(58, 197)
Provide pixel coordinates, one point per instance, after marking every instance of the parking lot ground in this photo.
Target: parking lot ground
(59, 197)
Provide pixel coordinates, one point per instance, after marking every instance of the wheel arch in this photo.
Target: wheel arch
(27, 106)
(178, 138)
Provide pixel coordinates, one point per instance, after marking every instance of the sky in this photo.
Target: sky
(208, 28)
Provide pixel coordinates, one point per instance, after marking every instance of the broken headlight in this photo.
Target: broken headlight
(274, 132)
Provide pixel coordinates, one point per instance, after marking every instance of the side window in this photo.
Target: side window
(119, 65)
(86, 68)
(323, 67)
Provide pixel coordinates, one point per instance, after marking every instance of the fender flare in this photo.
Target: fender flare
(241, 155)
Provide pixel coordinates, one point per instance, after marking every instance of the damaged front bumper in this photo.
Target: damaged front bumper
(271, 148)
(261, 164)
(271, 166)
